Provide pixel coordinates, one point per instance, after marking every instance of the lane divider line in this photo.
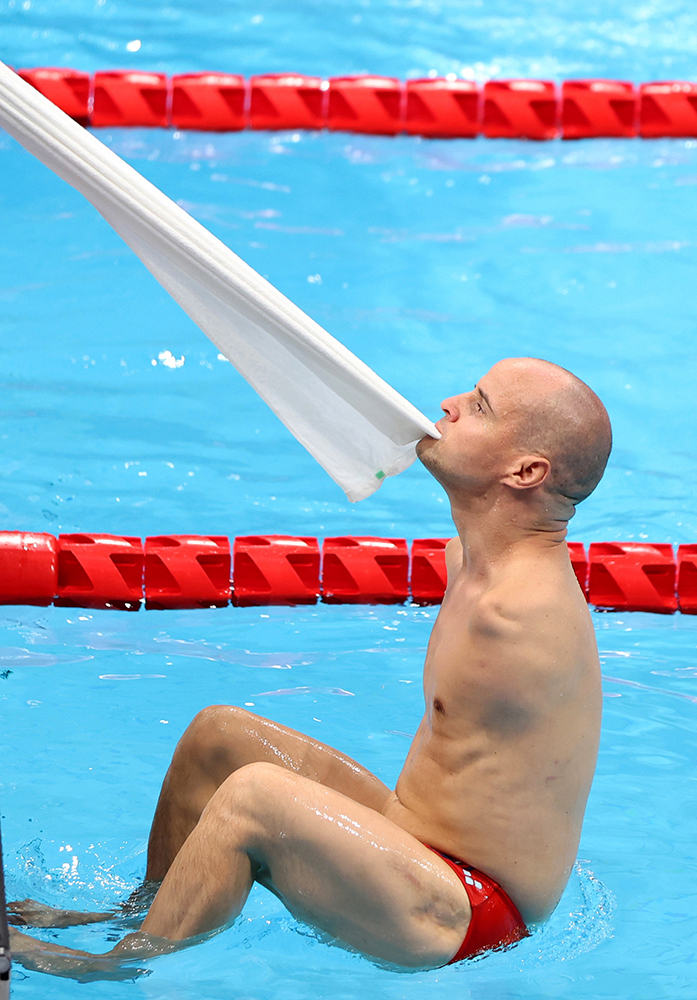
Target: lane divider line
(123, 572)
(444, 107)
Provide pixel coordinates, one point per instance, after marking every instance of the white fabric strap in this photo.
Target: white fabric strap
(356, 425)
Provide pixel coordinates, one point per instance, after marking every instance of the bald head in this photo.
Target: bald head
(561, 419)
(527, 425)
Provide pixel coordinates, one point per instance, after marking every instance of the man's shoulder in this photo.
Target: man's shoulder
(495, 617)
(542, 611)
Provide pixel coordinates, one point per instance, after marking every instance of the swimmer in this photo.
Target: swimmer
(475, 844)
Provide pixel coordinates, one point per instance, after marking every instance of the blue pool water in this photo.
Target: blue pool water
(431, 260)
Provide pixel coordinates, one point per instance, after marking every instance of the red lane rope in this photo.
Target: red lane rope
(194, 571)
(435, 108)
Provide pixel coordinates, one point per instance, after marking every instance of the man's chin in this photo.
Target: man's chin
(424, 444)
(431, 457)
(425, 452)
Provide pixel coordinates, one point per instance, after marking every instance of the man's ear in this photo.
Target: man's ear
(528, 472)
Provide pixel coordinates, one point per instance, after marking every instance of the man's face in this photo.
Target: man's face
(479, 428)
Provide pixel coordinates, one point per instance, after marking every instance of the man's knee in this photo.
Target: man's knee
(251, 789)
(210, 742)
(259, 777)
(213, 725)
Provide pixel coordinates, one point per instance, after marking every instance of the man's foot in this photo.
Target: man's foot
(30, 913)
(43, 956)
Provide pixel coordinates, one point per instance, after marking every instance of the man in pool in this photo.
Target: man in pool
(475, 844)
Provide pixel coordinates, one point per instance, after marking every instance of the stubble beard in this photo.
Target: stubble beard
(424, 447)
(427, 454)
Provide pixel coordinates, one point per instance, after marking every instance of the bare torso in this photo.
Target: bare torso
(499, 771)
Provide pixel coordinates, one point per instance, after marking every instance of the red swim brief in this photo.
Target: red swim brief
(495, 921)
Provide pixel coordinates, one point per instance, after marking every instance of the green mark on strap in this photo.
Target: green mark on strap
(380, 474)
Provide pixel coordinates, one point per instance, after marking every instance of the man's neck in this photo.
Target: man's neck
(495, 529)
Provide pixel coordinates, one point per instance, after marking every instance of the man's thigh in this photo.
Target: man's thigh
(350, 872)
(227, 737)
(220, 741)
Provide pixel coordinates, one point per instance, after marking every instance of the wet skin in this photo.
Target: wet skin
(497, 775)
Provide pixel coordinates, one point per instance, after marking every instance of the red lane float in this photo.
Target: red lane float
(286, 100)
(128, 97)
(434, 108)
(594, 108)
(367, 104)
(429, 575)
(442, 108)
(687, 579)
(187, 571)
(100, 571)
(667, 109)
(209, 102)
(28, 568)
(632, 576)
(365, 570)
(68, 89)
(275, 569)
(520, 109)
(193, 571)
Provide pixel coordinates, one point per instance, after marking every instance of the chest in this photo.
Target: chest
(455, 661)
(473, 685)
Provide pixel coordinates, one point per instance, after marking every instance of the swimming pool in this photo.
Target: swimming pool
(430, 260)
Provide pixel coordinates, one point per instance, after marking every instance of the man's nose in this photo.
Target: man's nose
(450, 408)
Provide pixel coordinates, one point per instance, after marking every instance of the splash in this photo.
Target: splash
(581, 922)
